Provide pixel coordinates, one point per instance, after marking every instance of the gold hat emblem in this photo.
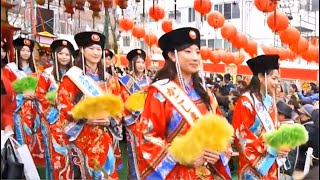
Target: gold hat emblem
(64, 43)
(192, 34)
(107, 52)
(27, 42)
(95, 37)
(138, 52)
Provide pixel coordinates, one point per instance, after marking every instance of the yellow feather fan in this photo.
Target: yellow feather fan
(135, 101)
(210, 132)
(97, 107)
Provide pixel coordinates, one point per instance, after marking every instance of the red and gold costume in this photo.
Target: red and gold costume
(256, 160)
(8, 103)
(92, 147)
(159, 126)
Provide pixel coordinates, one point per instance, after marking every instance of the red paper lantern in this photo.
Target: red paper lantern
(277, 21)
(166, 25)
(301, 46)
(239, 41)
(251, 48)
(156, 12)
(126, 24)
(40, 2)
(205, 53)
(215, 19)
(238, 58)
(290, 35)
(123, 60)
(123, 4)
(138, 31)
(202, 6)
(228, 31)
(107, 3)
(228, 58)
(215, 57)
(150, 39)
(266, 5)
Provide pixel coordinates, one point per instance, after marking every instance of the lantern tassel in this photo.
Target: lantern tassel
(175, 9)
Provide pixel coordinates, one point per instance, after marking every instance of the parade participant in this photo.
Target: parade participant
(24, 62)
(54, 139)
(90, 140)
(162, 121)
(8, 104)
(255, 113)
(138, 82)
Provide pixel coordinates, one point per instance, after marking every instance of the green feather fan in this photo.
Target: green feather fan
(288, 136)
(51, 96)
(25, 84)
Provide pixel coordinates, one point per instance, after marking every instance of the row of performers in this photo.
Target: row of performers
(73, 149)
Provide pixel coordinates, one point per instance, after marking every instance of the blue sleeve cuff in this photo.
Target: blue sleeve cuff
(131, 118)
(272, 151)
(163, 169)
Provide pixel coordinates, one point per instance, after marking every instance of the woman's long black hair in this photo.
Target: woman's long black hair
(69, 65)
(30, 60)
(169, 72)
(78, 63)
(4, 61)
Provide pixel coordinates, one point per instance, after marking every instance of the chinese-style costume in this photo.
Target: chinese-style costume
(253, 116)
(91, 148)
(130, 85)
(54, 139)
(27, 121)
(161, 121)
(8, 103)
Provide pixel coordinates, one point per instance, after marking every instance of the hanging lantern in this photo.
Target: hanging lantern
(166, 25)
(239, 41)
(123, 4)
(238, 58)
(126, 24)
(107, 3)
(228, 59)
(202, 6)
(251, 48)
(289, 35)
(138, 31)
(277, 21)
(215, 19)
(266, 5)
(40, 2)
(215, 57)
(156, 12)
(228, 31)
(69, 5)
(205, 53)
(80, 4)
(96, 6)
(300, 47)
(150, 39)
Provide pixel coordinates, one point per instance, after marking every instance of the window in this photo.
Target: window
(211, 43)
(218, 43)
(235, 11)
(191, 14)
(227, 11)
(227, 45)
(143, 45)
(126, 40)
(171, 16)
(218, 7)
(203, 42)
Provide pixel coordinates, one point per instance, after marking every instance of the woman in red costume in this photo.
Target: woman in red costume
(54, 139)
(160, 120)
(255, 114)
(27, 122)
(90, 149)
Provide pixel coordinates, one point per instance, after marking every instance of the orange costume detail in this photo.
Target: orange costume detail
(159, 126)
(255, 160)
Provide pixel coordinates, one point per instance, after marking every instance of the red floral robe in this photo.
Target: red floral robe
(57, 162)
(8, 103)
(160, 124)
(28, 127)
(253, 152)
(94, 142)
